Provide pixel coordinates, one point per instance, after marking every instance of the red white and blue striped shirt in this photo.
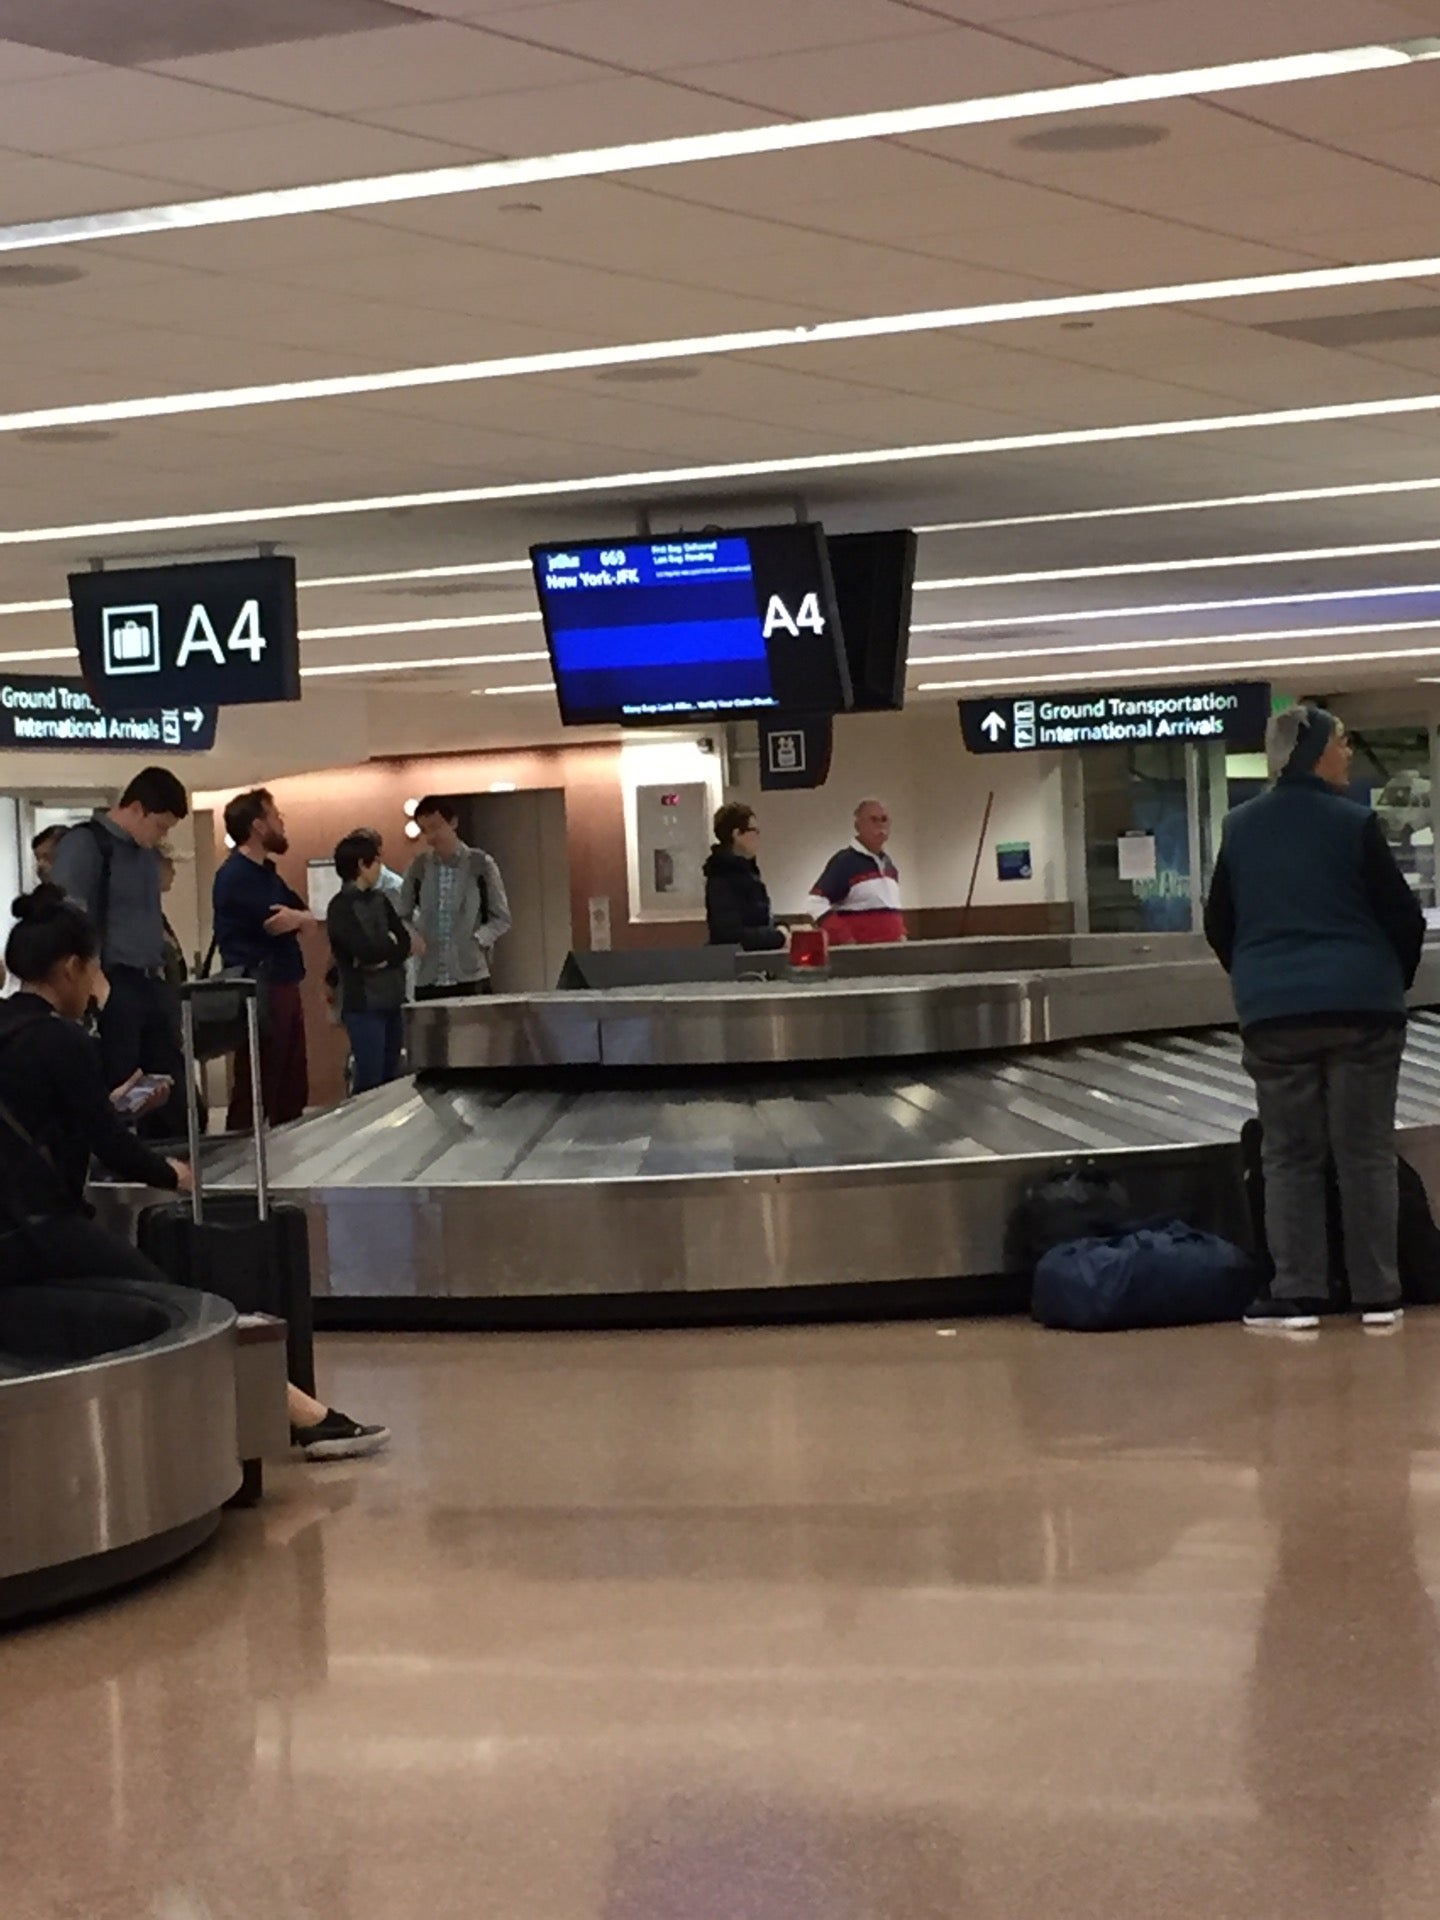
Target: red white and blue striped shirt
(860, 883)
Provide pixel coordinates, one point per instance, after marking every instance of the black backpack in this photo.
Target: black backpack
(1080, 1201)
(1417, 1242)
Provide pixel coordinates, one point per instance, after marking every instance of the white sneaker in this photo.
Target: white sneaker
(1381, 1319)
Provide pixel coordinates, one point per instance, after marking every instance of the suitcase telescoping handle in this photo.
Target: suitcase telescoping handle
(246, 992)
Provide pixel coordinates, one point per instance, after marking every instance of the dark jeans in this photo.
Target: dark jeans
(375, 1041)
(463, 992)
(137, 1034)
(284, 1064)
(1328, 1092)
(71, 1247)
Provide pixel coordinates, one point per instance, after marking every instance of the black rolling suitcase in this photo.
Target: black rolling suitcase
(254, 1255)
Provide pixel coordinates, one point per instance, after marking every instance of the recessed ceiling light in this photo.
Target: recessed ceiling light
(787, 137)
(648, 360)
(1100, 136)
(647, 480)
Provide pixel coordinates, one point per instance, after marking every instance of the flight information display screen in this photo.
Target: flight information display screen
(644, 632)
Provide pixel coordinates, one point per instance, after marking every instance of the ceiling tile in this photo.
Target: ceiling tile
(299, 149)
(1157, 36)
(955, 64)
(596, 113)
(55, 189)
(658, 35)
(19, 63)
(433, 61)
(165, 29)
(103, 107)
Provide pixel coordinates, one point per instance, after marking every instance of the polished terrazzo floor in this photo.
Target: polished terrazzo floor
(844, 1624)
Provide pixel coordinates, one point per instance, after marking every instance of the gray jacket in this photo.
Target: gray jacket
(134, 935)
(466, 957)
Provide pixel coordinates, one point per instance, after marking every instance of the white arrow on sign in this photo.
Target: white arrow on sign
(994, 724)
(196, 717)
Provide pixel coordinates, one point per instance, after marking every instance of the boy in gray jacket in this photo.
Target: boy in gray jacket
(453, 900)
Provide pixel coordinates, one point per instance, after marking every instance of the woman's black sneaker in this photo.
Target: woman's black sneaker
(338, 1438)
(1285, 1316)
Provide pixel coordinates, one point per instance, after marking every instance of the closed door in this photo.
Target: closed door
(524, 833)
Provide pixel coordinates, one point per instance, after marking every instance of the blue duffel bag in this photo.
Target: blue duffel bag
(1163, 1276)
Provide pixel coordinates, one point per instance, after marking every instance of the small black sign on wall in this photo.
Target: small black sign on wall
(795, 750)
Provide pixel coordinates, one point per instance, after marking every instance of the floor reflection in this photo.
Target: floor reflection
(853, 1622)
(1344, 1738)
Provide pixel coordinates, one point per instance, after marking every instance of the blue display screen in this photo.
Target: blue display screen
(647, 631)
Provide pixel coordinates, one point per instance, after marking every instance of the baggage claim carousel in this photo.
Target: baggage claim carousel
(768, 1148)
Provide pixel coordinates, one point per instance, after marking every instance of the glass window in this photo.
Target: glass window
(1392, 773)
(1137, 789)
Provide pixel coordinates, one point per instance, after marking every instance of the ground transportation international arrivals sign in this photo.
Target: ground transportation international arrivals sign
(1234, 712)
(222, 633)
(58, 716)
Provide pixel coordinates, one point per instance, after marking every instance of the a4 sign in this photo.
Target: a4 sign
(219, 633)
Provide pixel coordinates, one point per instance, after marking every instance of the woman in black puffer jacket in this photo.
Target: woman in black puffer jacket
(737, 907)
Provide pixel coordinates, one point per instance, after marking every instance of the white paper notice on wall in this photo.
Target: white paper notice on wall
(600, 923)
(322, 883)
(1137, 856)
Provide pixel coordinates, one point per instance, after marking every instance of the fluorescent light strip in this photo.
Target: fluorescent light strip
(1095, 647)
(1131, 568)
(487, 176)
(449, 624)
(711, 346)
(406, 573)
(1288, 496)
(422, 666)
(39, 653)
(1237, 667)
(733, 470)
(538, 686)
(1166, 608)
(333, 580)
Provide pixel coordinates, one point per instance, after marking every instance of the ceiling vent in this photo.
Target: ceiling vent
(1094, 136)
(997, 636)
(451, 589)
(27, 273)
(142, 35)
(68, 436)
(647, 373)
(1345, 330)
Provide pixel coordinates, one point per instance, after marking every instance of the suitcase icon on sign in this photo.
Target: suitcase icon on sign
(132, 639)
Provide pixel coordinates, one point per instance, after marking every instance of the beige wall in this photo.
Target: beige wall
(917, 763)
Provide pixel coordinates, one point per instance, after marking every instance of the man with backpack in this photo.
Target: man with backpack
(111, 866)
(454, 902)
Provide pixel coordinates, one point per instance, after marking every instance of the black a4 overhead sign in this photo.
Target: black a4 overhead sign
(221, 633)
(1235, 712)
(58, 716)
